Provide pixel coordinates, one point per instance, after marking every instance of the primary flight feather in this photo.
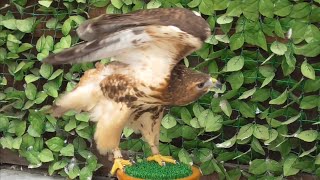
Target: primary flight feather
(143, 77)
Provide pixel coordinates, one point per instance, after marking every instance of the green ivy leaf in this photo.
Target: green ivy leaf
(247, 93)
(185, 115)
(307, 70)
(117, 3)
(273, 134)
(282, 8)
(6, 142)
(280, 99)
(312, 34)
(4, 123)
(250, 9)
(234, 64)
(79, 144)
(228, 143)
(234, 8)
(288, 168)
(168, 121)
(45, 3)
(266, 8)
(65, 42)
(85, 133)
(24, 47)
(308, 135)
(50, 89)
(85, 173)
(19, 127)
(72, 124)
(225, 107)
(273, 166)
(46, 155)
(213, 123)
(256, 146)
(286, 68)
(278, 29)
(317, 161)
(212, 40)
(309, 102)
(26, 25)
(311, 85)
(17, 143)
(46, 70)
(31, 91)
(67, 151)
(261, 132)
(309, 50)
(236, 41)
(10, 24)
(74, 172)
(127, 132)
(59, 164)
(258, 166)
(305, 153)
(208, 167)
(55, 144)
(224, 19)
(84, 117)
(300, 10)
(194, 3)
(245, 131)
(52, 23)
(195, 123)
(33, 157)
(153, 4)
(185, 157)
(197, 109)
(205, 7)
(236, 79)
(222, 38)
(261, 40)
(203, 154)
(31, 78)
(41, 96)
(278, 48)
(291, 120)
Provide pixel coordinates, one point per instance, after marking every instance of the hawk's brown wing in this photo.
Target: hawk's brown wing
(106, 24)
(168, 34)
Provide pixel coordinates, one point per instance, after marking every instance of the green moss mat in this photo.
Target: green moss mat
(152, 170)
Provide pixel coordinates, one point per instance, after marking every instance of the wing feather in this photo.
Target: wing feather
(182, 18)
(97, 49)
(174, 31)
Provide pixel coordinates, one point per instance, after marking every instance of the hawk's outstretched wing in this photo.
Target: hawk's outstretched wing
(156, 37)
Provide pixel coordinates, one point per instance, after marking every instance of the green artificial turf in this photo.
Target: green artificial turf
(152, 170)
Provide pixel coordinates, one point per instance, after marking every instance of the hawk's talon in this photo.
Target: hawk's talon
(161, 160)
(119, 163)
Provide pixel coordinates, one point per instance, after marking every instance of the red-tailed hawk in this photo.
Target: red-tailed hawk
(142, 78)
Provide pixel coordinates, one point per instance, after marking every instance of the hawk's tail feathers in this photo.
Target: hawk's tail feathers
(57, 111)
(83, 98)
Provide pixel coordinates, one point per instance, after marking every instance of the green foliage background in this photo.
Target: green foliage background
(266, 116)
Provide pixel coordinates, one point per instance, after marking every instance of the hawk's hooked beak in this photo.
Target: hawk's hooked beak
(216, 84)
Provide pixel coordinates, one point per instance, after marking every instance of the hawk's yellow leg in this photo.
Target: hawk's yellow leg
(161, 160)
(119, 162)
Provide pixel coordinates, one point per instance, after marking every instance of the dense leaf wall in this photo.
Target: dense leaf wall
(266, 116)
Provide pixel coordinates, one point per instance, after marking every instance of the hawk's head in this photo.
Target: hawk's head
(187, 85)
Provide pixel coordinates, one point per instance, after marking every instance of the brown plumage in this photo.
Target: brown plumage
(142, 78)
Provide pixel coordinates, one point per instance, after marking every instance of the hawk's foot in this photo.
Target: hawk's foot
(119, 163)
(161, 160)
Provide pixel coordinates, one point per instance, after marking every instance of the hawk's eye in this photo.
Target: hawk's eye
(200, 85)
